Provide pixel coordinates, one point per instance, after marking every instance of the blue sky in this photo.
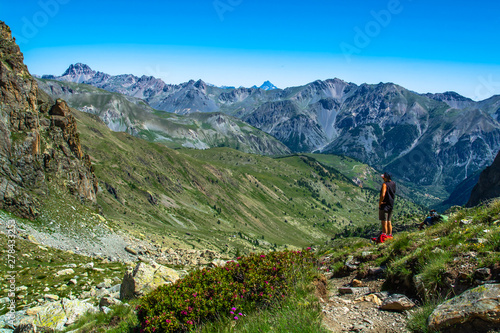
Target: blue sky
(426, 46)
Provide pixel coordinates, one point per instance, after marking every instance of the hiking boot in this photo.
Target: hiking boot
(380, 239)
(389, 236)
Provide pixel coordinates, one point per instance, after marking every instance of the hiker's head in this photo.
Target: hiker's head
(387, 176)
(432, 212)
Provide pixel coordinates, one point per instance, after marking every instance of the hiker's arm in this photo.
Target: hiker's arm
(382, 195)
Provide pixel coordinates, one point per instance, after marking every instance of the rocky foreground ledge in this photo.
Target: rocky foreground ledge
(55, 313)
(61, 276)
(350, 304)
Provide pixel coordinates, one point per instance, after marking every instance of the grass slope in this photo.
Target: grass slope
(368, 177)
(36, 268)
(221, 198)
(431, 265)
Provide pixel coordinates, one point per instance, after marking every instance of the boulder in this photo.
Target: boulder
(56, 315)
(90, 265)
(354, 291)
(382, 295)
(51, 297)
(105, 284)
(109, 301)
(482, 274)
(397, 302)
(356, 283)
(115, 288)
(476, 310)
(105, 309)
(375, 270)
(48, 316)
(145, 278)
(218, 263)
(369, 298)
(65, 272)
(131, 250)
(351, 264)
(74, 309)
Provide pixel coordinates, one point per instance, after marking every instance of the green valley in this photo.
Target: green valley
(222, 198)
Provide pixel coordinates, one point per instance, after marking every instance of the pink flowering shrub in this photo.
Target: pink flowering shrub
(255, 281)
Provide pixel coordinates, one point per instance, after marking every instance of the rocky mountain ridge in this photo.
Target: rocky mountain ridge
(195, 130)
(40, 146)
(433, 140)
(488, 185)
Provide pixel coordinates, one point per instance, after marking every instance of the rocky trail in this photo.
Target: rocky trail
(351, 305)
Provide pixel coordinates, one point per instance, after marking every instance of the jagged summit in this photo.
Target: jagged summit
(453, 99)
(268, 86)
(78, 69)
(78, 72)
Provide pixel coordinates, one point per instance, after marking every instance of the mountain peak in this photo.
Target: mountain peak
(78, 69)
(268, 86)
(200, 84)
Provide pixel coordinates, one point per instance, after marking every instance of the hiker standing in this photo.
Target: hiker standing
(385, 206)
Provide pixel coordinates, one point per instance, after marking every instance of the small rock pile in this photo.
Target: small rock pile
(56, 314)
(184, 257)
(358, 306)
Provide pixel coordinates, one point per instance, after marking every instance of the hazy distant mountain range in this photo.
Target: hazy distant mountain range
(434, 140)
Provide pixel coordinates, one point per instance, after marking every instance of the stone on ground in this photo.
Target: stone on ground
(476, 310)
(145, 278)
(397, 302)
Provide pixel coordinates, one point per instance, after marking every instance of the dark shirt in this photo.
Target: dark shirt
(431, 220)
(390, 194)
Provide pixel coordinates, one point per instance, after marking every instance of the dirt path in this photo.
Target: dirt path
(353, 313)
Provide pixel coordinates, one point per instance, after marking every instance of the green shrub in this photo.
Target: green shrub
(434, 272)
(417, 322)
(300, 312)
(121, 319)
(253, 282)
(401, 244)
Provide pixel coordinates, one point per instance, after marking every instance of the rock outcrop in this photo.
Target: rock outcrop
(488, 185)
(39, 143)
(397, 302)
(145, 278)
(51, 316)
(476, 310)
